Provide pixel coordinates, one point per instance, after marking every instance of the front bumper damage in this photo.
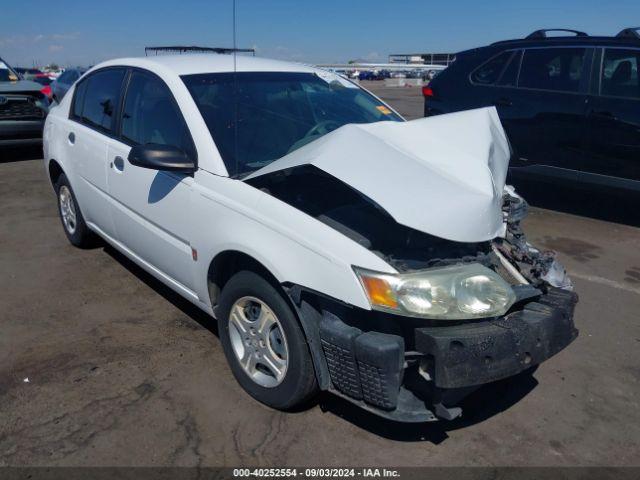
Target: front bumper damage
(418, 374)
(416, 371)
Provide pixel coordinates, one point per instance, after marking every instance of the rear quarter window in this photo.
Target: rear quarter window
(489, 72)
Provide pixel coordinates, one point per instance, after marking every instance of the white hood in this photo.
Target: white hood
(441, 175)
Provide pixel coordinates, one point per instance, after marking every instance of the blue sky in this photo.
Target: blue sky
(73, 32)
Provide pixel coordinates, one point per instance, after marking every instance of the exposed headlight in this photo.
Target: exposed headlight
(448, 293)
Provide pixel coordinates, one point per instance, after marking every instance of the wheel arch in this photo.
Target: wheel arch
(54, 170)
(229, 262)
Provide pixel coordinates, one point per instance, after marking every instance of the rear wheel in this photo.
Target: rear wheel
(263, 342)
(72, 220)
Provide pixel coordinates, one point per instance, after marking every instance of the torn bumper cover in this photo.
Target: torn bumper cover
(373, 370)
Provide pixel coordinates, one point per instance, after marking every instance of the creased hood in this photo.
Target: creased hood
(441, 175)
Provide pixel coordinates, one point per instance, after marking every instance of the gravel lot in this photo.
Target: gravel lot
(102, 365)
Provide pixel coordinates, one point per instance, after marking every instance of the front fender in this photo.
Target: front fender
(292, 245)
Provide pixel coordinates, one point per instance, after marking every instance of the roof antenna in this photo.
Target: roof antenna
(235, 94)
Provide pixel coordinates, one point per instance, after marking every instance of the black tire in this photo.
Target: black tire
(80, 236)
(299, 383)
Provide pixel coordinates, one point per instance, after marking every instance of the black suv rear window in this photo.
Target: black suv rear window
(558, 69)
(489, 72)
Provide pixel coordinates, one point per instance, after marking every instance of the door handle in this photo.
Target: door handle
(72, 138)
(118, 163)
(503, 102)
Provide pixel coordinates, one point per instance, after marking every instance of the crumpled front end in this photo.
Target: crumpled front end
(421, 199)
(417, 370)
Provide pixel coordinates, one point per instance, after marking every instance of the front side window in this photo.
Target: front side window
(620, 73)
(150, 115)
(489, 72)
(101, 98)
(258, 117)
(558, 69)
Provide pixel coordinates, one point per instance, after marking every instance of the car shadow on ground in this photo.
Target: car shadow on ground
(477, 407)
(18, 154)
(480, 405)
(594, 202)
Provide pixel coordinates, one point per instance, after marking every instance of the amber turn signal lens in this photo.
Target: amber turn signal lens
(380, 292)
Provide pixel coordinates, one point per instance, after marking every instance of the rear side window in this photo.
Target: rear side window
(620, 73)
(489, 72)
(150, 114)
(558, 69)
(101, 98)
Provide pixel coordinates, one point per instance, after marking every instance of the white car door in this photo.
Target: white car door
(91, 122)
(151, 208)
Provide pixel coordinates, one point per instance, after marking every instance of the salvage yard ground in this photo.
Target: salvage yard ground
(102, 365)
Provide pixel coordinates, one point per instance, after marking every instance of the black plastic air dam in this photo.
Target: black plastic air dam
(365, 366)
(479, 353)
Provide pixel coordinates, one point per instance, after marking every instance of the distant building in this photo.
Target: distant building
(422, 58)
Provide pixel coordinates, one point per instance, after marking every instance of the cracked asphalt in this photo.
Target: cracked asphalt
(101, 365)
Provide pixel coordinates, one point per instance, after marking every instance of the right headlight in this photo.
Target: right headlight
(448, 293)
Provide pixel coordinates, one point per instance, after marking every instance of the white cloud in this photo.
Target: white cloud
(55, 48)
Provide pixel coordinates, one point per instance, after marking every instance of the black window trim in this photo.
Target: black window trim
(90, 125)
(517, 52)
(125, 90)
(601, 71)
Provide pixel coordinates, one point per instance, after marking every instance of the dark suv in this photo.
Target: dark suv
(570, 104)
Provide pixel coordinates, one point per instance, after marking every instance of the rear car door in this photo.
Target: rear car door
(151, 208)
(547, 109)
(614, 120)
(92, 122)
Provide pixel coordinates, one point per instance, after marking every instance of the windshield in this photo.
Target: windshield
(277, 112)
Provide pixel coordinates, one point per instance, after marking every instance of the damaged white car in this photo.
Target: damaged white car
(339, 247)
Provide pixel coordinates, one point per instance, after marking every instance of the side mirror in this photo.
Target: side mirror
(161, 157)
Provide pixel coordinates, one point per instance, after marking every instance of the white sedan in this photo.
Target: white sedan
(339, 247)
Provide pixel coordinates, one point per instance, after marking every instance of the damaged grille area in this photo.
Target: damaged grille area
(540, 268)
(356, 216)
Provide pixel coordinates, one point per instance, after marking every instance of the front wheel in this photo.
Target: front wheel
(263, 342)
